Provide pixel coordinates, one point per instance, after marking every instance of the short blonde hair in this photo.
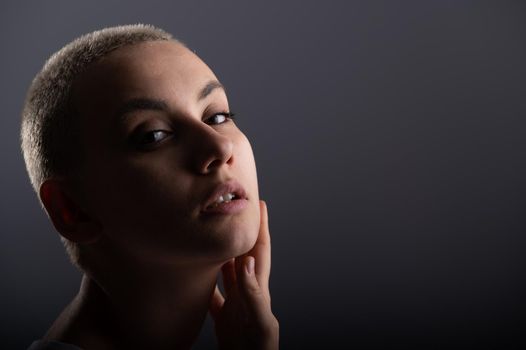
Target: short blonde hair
(48, 130)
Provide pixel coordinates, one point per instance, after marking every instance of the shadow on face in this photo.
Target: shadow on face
(158, 140)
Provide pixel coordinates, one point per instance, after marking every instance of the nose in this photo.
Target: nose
(211, 150)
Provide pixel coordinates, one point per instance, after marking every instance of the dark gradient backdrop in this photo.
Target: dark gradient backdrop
(390, 144)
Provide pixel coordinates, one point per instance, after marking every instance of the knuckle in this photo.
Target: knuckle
(254, 289)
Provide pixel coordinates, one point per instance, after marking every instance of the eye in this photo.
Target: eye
(151, 137)
(220, 118)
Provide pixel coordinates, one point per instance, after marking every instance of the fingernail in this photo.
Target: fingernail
(250, 265)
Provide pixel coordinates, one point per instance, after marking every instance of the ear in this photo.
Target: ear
(67, 217)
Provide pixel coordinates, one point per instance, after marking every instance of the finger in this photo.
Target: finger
(216, 303)
(229, 277)
(261, 251)
(253, 297)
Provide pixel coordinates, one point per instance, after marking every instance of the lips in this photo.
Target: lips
(230, 186)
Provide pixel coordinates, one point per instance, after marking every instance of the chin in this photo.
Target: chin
(236, 242)
(244, 244)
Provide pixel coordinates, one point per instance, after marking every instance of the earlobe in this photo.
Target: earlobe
(67, 217)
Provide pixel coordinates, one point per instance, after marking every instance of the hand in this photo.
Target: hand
(243, 317)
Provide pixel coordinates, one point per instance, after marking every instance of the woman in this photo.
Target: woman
(130, 143)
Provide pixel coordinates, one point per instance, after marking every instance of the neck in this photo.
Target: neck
(137, 308)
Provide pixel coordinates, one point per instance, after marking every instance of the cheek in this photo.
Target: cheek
(246, 165)
(143, 215)
(132, 197)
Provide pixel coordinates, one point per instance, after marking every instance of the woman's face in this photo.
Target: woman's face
(157, 142)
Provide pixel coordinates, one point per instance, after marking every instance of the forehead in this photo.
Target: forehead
(159, 69)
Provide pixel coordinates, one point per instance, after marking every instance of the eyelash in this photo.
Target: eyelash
(142, 141)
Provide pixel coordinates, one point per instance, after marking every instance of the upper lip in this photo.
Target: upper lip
(230, 186)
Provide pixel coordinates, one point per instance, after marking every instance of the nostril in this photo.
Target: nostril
(214, 164)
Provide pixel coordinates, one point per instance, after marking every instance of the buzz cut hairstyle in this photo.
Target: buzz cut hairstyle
(48, 129)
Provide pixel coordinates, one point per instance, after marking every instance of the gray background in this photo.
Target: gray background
(389, 137)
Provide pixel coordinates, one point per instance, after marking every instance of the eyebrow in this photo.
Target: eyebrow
(209, 87)
(141, 104)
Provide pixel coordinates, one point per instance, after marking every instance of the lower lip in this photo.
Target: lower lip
(232, 207)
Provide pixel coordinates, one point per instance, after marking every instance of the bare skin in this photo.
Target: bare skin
(151, 255)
